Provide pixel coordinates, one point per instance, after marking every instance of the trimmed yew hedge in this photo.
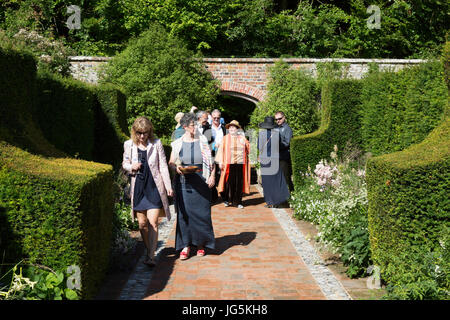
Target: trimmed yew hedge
(408, 196)
(111, 128)
(56, 212)
(340, 122)
(17, 92)
(85, 121)
(401, 108)
(65, 113)
(408, 190)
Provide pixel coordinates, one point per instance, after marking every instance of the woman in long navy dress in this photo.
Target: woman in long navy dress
(192, 190)
(274, 184)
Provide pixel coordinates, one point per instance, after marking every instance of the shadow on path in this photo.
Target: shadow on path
(168, 257)
(226, 242)
(253, 201)
(163, 270)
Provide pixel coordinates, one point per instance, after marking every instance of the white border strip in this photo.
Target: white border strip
(330, 286)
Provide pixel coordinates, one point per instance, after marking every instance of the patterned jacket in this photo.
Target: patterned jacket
(157, 163)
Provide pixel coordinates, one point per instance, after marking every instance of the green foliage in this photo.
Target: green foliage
(37, 283)
(202, 24)
(56, 212)
(355, 251)
(243, 28)
(333, 70)
(292, 91)
(340, 123)
(334, 198)
(65, 113)
(408, 198)
(50, 54)
(316, 31)
(160, 77)
(122, 224)
(420, 273)
(445, 58)
(82, 120)
(111, 127)
(401, 108)
(17, 107)
(401, 33)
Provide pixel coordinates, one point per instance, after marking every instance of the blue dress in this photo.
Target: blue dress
(193, 203)
(146, 195)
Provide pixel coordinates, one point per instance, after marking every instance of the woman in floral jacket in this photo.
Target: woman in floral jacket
(145, 160)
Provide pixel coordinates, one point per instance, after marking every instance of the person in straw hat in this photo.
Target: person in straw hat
(232, 157)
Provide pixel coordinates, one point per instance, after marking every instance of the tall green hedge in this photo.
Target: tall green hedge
(408, 196)
(111, 127)
(65, 113)
(340, 122)
(401, 108)
(408, 190)
(56, 212)
(17, 92)
(85, 121)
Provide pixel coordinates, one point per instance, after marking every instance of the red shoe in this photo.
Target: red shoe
(200, 252)
(184, 254)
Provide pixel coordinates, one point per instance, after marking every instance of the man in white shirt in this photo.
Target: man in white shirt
(218, 131)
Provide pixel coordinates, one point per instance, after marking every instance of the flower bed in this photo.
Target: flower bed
(334, 197)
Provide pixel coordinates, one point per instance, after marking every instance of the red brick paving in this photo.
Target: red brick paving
(253, 259)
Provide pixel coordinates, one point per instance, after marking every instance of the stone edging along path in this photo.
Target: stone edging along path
(138, 282)
(330, 286)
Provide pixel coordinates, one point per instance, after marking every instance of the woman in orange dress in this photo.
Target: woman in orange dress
(233, 160)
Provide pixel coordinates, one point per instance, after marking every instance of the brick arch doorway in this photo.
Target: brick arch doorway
(238, 101)
(236, 107)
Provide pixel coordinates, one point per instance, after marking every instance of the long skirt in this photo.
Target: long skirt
(193, 205)
(274, 185)
(233, 185)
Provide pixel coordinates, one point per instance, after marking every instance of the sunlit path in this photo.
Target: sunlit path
(254, 259)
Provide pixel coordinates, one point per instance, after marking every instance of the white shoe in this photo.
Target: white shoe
(240, 206)
(226, 204)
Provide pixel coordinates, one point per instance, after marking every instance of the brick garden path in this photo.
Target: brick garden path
(253, 259)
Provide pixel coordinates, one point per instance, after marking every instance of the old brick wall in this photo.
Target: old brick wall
(247, 77)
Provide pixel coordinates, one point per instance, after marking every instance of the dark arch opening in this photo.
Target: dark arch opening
(236, 107)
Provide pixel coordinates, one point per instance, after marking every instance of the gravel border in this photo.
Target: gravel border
(330, 286)
(138, 282)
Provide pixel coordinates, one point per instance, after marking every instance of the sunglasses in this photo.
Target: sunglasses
(278, 119)
(141, 133)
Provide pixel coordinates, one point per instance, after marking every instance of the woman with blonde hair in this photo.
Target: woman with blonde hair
(145, 161)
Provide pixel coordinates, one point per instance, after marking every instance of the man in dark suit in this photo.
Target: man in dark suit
(285, 152)
(203, 125)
